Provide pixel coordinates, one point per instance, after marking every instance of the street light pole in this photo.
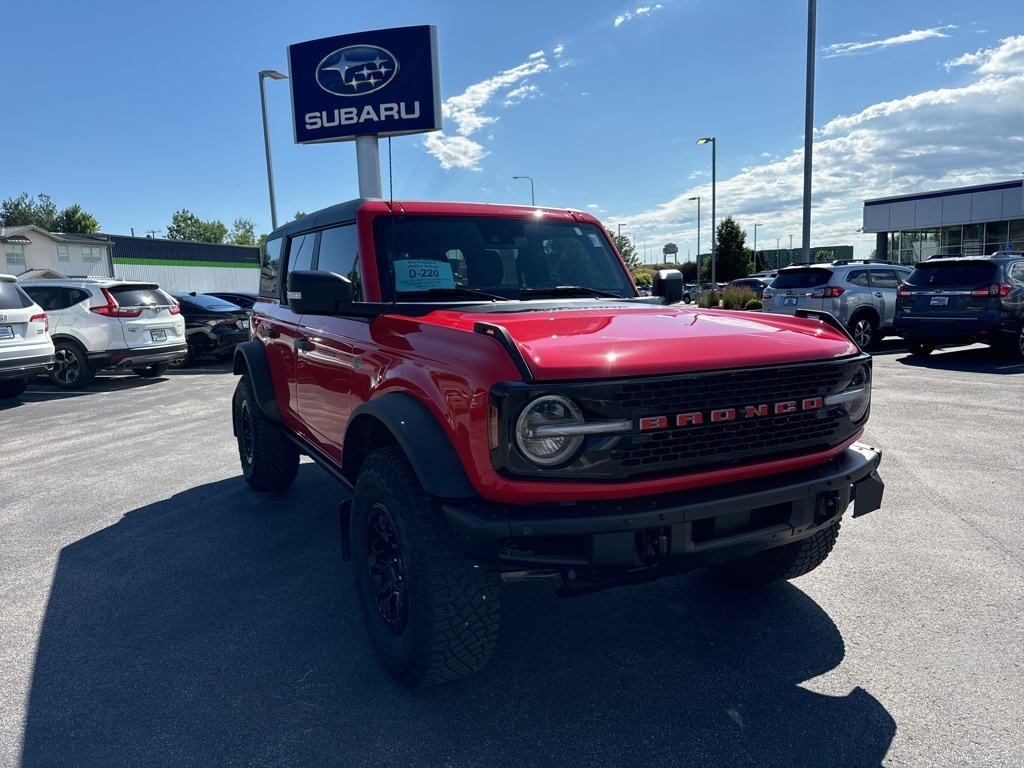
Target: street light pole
(273, 75)
(714, 248)
(790, 249)
(531, 187)
(755, 247)
(698, 235)
(808, 128)
(778, 260)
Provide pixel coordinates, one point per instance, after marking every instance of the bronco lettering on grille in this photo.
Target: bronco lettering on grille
(719, 415)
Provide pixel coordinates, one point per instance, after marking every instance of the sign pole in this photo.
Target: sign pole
(368, 166)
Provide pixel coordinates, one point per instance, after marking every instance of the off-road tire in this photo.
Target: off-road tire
(12, 388)
(781, 563)
(432, 613)
(864, 329)
(151, 371)
(71, 366)
(269, 460)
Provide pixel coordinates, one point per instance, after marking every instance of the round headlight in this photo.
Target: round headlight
(856, 397)
(540, 427)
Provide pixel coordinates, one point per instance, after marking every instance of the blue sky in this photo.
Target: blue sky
(136, 110)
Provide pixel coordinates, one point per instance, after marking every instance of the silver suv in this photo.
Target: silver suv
(107, 324)
(25, 347)
(860, 294)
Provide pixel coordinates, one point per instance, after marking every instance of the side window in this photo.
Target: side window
(858, 277)
(300, 252)
(270, 266)
(884, 278)
(339, 250)
(300, 255)
(1017, 271)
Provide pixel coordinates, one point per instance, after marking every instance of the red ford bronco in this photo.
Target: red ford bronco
(488, 383)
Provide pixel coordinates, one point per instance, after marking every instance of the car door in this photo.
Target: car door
(884, 282)
(324, 351)
(277, 327)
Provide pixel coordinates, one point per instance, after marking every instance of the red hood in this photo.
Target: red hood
(643, 340)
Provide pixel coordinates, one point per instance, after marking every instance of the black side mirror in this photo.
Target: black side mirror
(668, 283)
(318, 293)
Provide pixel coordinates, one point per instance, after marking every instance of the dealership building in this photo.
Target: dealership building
(968, 220)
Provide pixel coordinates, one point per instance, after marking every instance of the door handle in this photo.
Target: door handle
(303, 345)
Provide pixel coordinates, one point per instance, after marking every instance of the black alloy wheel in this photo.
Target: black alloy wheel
(387, 574)
(71, 367)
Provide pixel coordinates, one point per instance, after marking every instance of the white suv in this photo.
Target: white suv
(25, 346)
(107, 324)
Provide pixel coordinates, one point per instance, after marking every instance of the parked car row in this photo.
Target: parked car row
(943, 300)
(72, 328)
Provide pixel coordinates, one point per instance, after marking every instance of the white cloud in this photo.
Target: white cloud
(466, 112)
(914, 36)
(645, 10)
(937, 139)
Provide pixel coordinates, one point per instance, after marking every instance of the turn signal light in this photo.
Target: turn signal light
(827, 292)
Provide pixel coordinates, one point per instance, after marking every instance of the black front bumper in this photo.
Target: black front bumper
(689, 529)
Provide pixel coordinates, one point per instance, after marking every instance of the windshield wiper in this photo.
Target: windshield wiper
(569, 290)
(456, 291)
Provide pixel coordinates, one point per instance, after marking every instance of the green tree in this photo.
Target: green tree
(243, 232)
(73, 220)
(732, 257)
(185, 225)
(23, 210)
(625, 246)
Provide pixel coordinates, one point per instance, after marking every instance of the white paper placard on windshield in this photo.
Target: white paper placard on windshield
(422, 275)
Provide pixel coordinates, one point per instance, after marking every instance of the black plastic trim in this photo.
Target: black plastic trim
(503, 337)
(250, 356)
(424, 442)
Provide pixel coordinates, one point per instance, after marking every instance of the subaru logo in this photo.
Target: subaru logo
(356, 70)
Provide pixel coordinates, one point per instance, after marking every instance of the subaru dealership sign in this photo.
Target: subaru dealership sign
(381, 83)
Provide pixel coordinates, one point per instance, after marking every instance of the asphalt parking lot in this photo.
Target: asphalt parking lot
(156, 612)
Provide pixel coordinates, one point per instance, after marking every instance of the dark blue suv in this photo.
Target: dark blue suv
(964, 300)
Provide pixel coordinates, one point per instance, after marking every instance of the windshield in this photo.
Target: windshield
(422, 257)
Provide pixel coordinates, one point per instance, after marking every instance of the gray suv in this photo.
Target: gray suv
(860, 294)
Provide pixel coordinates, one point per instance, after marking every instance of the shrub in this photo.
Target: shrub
(737, 298)
(754, 305)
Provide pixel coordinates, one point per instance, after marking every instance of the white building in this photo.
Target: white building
(968, 220)
(31, 248)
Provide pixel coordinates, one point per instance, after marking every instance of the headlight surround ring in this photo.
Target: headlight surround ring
(548, 411)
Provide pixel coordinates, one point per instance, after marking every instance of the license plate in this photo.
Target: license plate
(6, 332)
(244, 324)
(789, 301)
(158, 335)
(939, 301)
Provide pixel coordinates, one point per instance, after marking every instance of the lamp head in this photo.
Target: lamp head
(273, 74)
(706, 139)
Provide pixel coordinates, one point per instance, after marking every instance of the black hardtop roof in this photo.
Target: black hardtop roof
(334, 214)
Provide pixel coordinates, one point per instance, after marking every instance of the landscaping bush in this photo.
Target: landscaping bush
(737, 298)
(754, 305)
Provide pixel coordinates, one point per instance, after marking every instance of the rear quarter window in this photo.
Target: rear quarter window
(12, 296)
(802, 278)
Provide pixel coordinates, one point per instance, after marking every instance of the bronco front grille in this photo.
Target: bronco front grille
(658, 446)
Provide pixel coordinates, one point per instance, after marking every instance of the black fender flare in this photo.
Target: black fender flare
(251, 358)
(418, 433)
